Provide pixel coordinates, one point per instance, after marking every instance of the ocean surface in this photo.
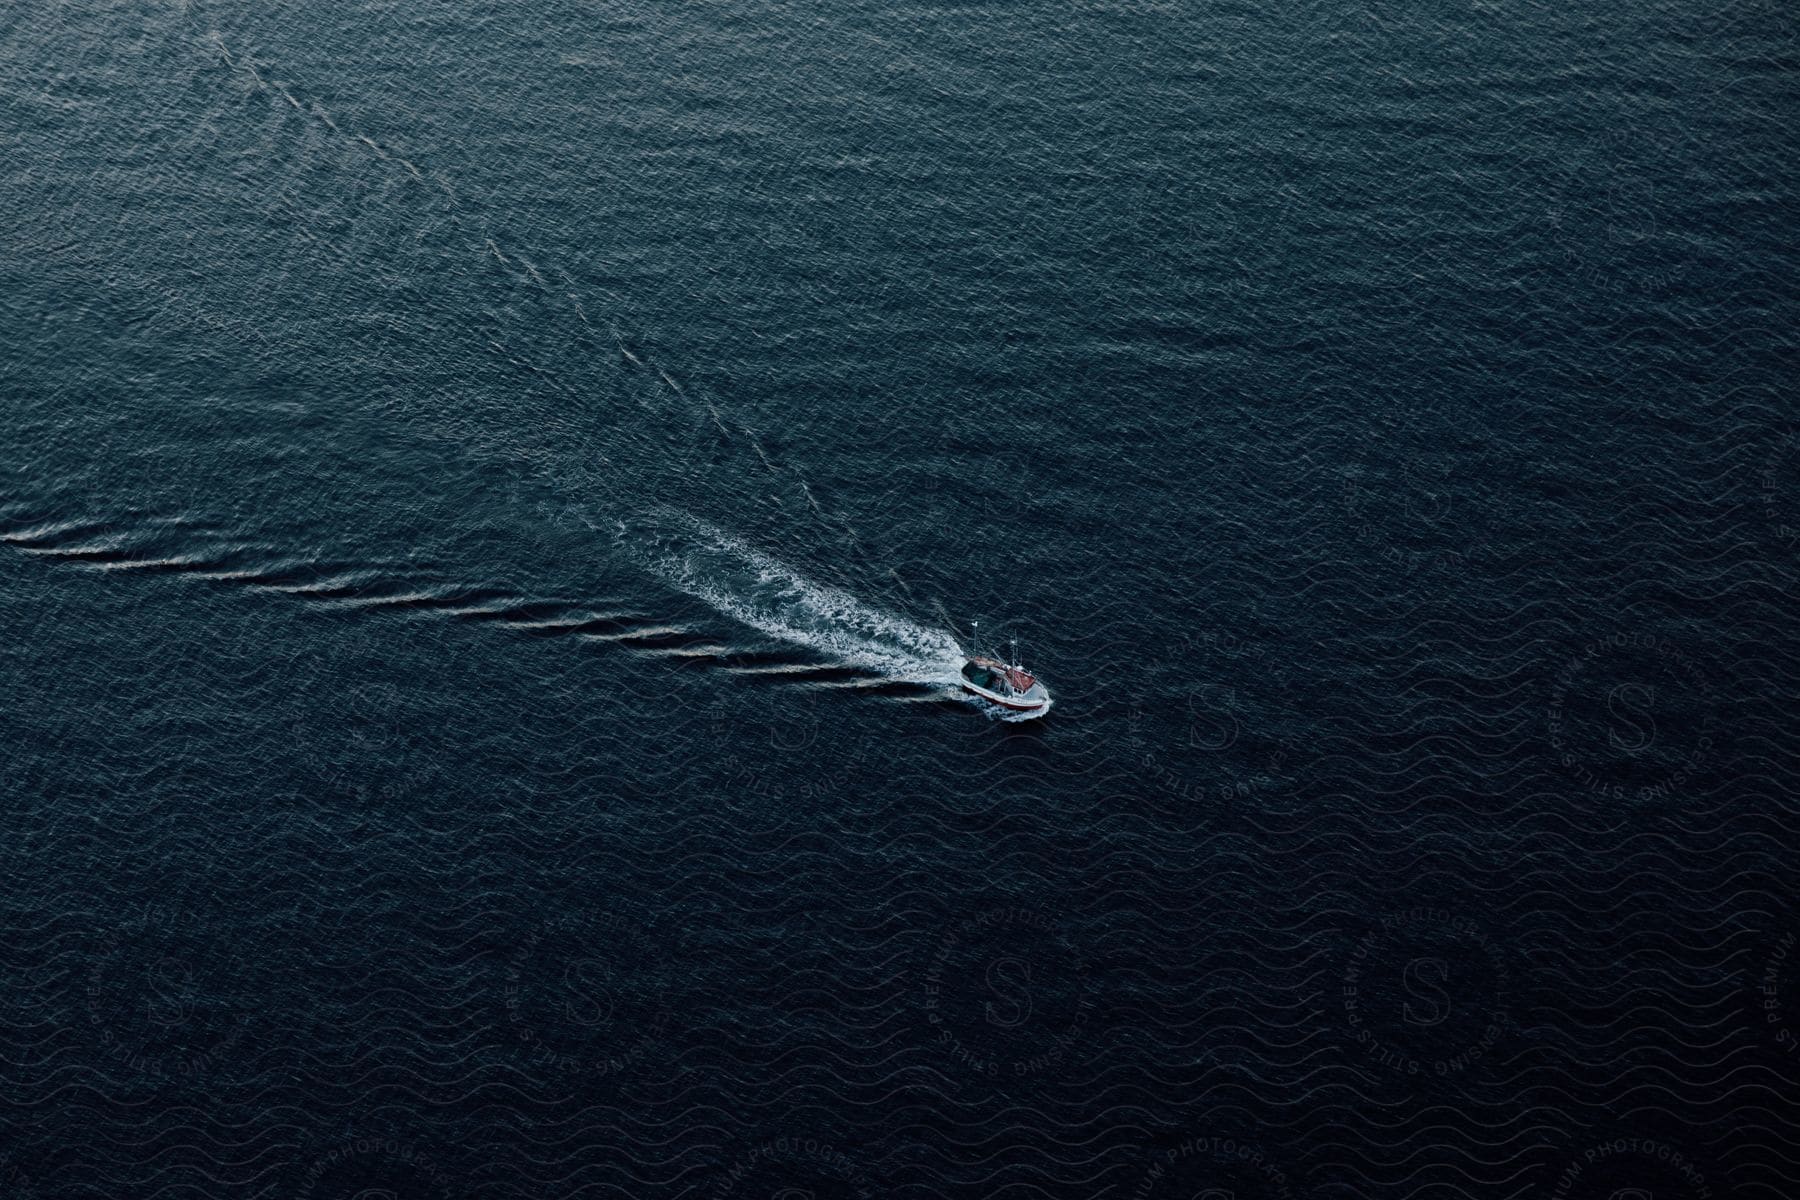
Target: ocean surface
(490, 496)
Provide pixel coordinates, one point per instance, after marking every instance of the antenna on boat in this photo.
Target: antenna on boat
(974, 638)
(1014, 643)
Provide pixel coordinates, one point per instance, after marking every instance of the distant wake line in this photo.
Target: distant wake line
(748, 586)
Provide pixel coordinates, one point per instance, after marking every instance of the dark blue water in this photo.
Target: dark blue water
(489, 496)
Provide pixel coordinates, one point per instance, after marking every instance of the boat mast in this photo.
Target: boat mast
(1014, 643)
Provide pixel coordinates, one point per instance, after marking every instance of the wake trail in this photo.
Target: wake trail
(709, 564)
(747, 585)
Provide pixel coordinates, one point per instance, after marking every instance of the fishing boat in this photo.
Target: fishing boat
(1007, 684)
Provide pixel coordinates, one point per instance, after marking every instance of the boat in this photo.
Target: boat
(1007, 684)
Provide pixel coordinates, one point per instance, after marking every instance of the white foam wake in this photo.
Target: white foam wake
(747, 585)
